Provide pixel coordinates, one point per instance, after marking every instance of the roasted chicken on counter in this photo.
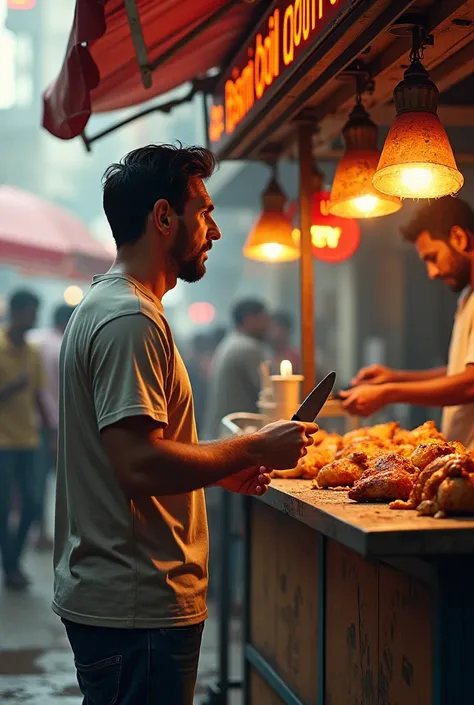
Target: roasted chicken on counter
(444, 486)
(342, 472)
(390, 476)
(416, 469)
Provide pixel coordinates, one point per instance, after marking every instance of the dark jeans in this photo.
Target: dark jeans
(17, 468)
(135, 666)
(44, 465)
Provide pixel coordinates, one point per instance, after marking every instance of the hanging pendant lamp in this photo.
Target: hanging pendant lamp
(270, 239)
(353, 194)
(417, 160)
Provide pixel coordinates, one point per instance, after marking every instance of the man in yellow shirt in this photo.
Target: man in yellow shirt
(21, 378)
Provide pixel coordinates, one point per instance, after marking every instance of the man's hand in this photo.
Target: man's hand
(365, 400)
(253, 481)
(375, 374)
(20, 382)
(285, 442)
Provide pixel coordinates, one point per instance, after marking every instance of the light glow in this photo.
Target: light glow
(286, 368)
(73, 295)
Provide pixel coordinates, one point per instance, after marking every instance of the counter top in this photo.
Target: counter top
(370, 529)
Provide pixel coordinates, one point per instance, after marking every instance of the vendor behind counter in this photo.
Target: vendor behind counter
(443, 233)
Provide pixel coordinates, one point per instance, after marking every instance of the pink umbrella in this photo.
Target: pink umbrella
(41, 237)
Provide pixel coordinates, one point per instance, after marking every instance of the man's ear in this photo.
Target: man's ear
(162, 216)
(459, 239)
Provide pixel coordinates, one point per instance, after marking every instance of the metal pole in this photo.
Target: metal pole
(305, 158)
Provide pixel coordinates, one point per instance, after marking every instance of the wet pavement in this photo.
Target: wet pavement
(36, 666)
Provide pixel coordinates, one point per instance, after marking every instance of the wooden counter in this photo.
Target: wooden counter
(355, 604)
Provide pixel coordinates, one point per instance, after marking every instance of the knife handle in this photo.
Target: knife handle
(295, 417)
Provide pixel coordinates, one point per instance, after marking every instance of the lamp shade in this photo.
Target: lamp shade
(353, 194)
(417, 160)
(270, 239)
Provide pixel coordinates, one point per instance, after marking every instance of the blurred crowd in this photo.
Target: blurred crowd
(29, 394)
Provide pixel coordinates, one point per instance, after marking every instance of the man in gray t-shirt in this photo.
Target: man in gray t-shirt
(131, 544)
(235, 375)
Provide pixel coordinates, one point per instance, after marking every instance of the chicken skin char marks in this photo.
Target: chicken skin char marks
(390, 476)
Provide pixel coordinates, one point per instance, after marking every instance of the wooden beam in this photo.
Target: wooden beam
(450, 115)
(307, 292)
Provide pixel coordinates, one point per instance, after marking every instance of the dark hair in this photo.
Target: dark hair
(61, 315)
(244, 309)
(284, 320)
(142, 177)
(438, 217)
(22, 300)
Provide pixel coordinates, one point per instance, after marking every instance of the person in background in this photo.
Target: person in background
(198, 361)
(281, 330)
(443, 233)
(235, 374)
(48, 342)
(131, 540)
(21, 381)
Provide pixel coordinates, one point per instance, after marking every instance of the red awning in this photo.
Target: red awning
(101, 71)
(41, 237)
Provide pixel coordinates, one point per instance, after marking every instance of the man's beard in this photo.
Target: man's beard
(190, 268)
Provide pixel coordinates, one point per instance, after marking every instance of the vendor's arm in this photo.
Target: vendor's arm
(449, 390)
(129, 363)
(379, 374)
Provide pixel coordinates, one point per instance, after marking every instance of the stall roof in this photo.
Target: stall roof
(307, 83)
(117, 47)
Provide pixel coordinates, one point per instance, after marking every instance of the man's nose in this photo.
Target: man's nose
(214, 232)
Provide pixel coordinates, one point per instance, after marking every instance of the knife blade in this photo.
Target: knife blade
(315, 400)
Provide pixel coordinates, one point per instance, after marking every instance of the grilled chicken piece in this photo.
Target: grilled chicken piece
(425, 453)
(421, 434)
(341, 473)
(372, 447)
(390, 476)
(385, 431)
(437, 468)
(450, 488)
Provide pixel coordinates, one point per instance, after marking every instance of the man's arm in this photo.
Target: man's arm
(148, 465)
(449, 390)
(379, 374)
(129, 369)
(420, 375)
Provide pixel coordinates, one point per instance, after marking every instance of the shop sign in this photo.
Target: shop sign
(281, 42)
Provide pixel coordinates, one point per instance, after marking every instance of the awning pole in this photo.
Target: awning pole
(305, 158)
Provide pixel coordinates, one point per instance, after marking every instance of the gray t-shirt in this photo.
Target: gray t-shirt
(122, 563)
(235, 380)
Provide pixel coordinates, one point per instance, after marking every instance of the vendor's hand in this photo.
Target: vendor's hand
(252, 481)
(374, 374)
(285, 442)
(365, 399)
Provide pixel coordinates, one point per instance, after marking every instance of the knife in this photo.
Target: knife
(315, 400)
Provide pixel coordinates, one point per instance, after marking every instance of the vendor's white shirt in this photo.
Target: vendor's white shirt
(458, 421)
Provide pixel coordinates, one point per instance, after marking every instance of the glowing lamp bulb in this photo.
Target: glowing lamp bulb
(366, 204)
(416, 178)
(286, 368)
(272, 250)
